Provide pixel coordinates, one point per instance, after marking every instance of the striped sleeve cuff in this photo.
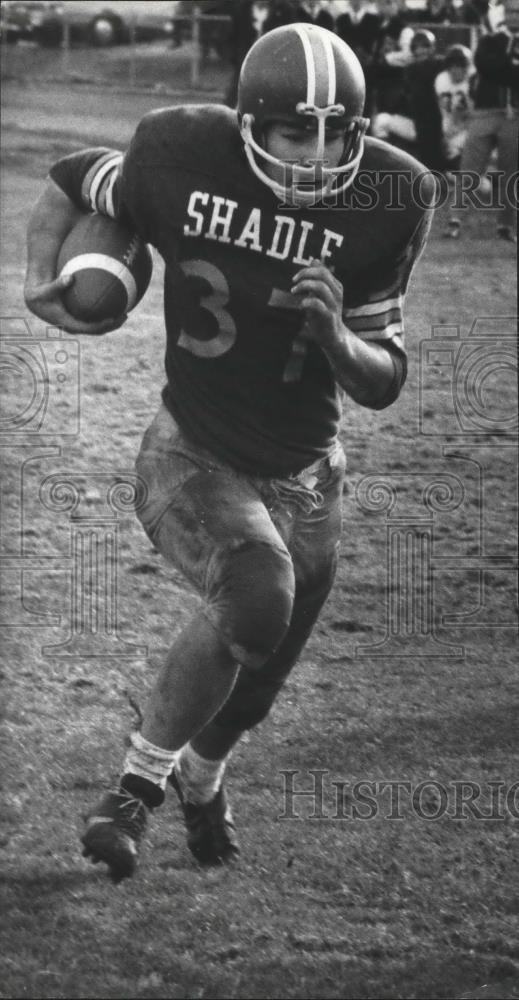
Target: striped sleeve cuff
(97, 190)
(378, 320)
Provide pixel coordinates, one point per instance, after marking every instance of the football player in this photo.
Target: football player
(452, 87)
(284, 288)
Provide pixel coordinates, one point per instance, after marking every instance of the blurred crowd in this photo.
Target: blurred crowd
(417, 98)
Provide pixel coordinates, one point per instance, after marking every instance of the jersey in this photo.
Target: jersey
(455, 105)
(240, 380)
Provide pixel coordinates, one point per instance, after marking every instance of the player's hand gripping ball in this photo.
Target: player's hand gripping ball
(111, 267)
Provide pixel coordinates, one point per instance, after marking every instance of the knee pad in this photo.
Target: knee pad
(250, 598)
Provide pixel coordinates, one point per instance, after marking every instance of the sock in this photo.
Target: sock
(199, 778)
(146, 769)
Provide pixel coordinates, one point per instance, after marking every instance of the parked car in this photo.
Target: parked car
(103, 22)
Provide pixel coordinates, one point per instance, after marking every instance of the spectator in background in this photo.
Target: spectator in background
(359, 26)
(261, 10)
(416, 124)
(425, 113)
(274, 14)
(440, 12)
(495, 119)
(474, 12)
(395, 25)
(242, 36)
(452, 87)
(315, 12)
(389, 110)
(281, 12)
(253, 18)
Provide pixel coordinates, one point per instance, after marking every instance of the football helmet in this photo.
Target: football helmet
(294, 73)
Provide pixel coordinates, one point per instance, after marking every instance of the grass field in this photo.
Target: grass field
(350, 903)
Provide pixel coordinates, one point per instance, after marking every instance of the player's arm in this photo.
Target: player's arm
(364, 344)
(51, 220)
(366, 371)
(66, 197)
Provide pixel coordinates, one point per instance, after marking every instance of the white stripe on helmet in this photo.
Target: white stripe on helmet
(310, 44)
(310, 63)
(330, 62)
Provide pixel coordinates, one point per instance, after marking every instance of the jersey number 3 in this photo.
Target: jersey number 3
(215, 302)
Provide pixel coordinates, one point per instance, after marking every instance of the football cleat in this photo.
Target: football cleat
(211, 833)
(114, 830)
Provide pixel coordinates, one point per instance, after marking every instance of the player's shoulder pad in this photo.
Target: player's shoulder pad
(382, 158)
(180, 133)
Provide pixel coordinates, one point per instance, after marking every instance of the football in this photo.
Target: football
(111, 266)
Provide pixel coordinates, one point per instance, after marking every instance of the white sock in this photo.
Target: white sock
(149, 761)
(199, 778)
